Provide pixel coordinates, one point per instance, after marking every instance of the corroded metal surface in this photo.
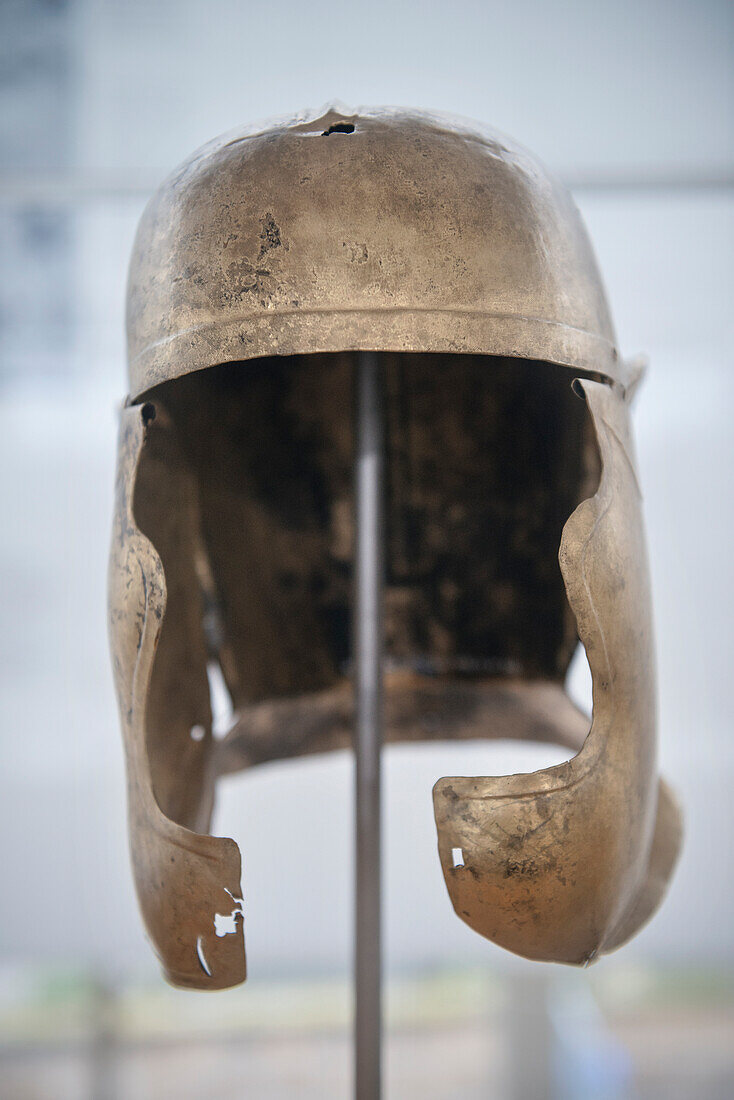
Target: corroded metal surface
(407, 234)
(268, 260)
(183, 877)
(568, 862)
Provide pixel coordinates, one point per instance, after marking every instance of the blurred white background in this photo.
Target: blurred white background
(632, 103)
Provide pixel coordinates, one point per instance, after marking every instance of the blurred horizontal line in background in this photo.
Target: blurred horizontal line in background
(63, 188)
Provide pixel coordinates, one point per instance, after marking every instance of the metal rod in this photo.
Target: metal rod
(368, 644)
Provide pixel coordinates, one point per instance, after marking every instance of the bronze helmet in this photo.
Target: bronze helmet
(261, 265)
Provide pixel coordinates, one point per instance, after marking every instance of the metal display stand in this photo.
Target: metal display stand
(368, 645)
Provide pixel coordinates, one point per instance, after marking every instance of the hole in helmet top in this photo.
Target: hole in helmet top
(339, 128)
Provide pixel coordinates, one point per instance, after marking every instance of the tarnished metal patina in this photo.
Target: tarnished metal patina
(260, 267)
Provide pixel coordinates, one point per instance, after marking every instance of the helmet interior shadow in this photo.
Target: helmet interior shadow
(486, 458)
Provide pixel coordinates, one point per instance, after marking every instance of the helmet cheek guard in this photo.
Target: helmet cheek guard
(183, 877)
(568, 862)
(259, 268)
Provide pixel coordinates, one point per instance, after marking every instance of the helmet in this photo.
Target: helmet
(260, 267)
